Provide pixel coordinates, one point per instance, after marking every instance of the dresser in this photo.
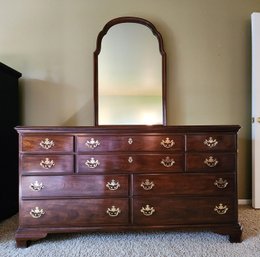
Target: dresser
(127, 178)
(9, 80)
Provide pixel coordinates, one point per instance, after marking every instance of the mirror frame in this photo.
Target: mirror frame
(102, 33)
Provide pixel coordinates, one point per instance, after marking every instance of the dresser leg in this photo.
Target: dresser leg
(23, 237)
(236, 236)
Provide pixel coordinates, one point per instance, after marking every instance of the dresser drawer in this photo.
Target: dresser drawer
(47, 163)
(130, 143)
(183, 210)
(74, 212)
(211, 142)
(128, 162)
(46, 143)
(211, 162)
(183, 184)
(75, 185)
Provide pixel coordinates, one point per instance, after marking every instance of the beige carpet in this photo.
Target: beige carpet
(163, 244)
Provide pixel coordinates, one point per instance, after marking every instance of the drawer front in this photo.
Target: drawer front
(47, 143)
(211, 142)
(98, 143)
(159, 211)
(74, 212)
(211, 162)
(75, 185)
(183, 184)
(133, 163)
(47, 163)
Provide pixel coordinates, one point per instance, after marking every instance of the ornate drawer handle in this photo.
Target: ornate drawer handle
(113, 185)
(167, 162)
(220, 209)
(47, 163)
(147, 210)
(211, 162)
(92, 163)
(37, 213)
(210, 142)
(130, 141)
(220, 183)
(113, 211)
(130, 159)
(167, 143)
(47, 143)
(147, 185)
(36, 186)
(92, 143)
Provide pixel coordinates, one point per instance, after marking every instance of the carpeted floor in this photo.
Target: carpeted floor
(163, 244)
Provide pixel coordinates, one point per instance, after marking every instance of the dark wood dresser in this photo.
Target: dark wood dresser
(121, 178)
(9, 80)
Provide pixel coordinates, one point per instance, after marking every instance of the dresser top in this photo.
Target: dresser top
(129, 129)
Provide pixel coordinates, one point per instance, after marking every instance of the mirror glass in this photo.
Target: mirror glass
(129, 77)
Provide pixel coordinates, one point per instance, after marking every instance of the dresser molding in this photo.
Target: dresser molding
(127, 178)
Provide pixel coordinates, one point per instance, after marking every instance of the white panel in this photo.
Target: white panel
(255, 18)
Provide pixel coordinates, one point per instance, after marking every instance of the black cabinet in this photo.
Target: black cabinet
(9, 115)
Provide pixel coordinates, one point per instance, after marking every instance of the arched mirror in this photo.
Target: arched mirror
(130, 74)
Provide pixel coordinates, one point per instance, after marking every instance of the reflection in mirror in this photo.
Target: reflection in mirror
(130, 78)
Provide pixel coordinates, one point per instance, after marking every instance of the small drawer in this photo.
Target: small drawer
(183, 210)
(183, 184)
(128, 162)
(211, 142)
(47, 163)
(73, 212)
(75, 186)
(46, 143)
(98, 143)
(211, 162)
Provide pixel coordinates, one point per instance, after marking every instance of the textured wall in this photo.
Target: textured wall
(208, 45)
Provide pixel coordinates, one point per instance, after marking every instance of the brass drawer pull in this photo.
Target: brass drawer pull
(130, 141)
(220, 183)
(147, 210)
(92, 163)
(113, 185)
(167, 143)
(92, 143)
(113, 211)
(130, 159)
(36, 186)
(47, 163)
(221, 209)
(211, 162)
(167, 162)
(210, 142)
(37, 213)
(47, 143)
(147, 185)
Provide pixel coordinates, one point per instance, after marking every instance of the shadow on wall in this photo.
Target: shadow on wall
(46, 103)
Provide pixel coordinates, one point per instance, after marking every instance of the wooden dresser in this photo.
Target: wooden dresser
(121, 178)
(9, 112)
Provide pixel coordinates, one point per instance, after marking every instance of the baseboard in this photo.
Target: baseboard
(244, 201)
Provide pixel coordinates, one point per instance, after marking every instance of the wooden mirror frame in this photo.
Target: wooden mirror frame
(103, 32)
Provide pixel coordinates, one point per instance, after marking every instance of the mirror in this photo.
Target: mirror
(130, 74)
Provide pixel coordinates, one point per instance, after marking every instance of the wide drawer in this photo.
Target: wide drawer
(182, 210)
(47, 163)
(46, 143)
(210, 162)
(75, 185)
(212, 142)
(183, 184)
(97, 143)
(127, 162)
(74, 212)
